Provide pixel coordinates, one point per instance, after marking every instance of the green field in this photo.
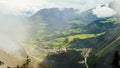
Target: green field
(84, 36)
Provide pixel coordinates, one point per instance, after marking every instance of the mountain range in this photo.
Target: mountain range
(54, 28)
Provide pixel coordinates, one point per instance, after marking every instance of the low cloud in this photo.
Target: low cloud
(103, 11)
(23, 7)
(115, 5)
(82, 5)
(13, 32)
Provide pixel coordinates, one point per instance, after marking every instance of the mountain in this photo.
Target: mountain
(69, 17)
(87, 16)
(54, 29)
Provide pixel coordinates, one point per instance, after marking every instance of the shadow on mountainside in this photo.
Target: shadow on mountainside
(69, 59)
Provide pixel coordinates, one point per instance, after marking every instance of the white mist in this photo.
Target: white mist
(13, 33)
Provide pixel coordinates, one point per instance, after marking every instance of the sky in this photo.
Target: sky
(31, 6)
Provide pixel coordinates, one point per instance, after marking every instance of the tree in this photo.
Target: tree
(116, 60)
(27, 63)
(1, 63)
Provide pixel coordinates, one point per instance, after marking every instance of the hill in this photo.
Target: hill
(54, 29)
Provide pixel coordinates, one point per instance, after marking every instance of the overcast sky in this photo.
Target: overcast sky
(21, 6)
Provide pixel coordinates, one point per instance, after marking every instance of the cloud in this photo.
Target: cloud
(104, 11)
(115, 5)
(32, 6)
(82, 5)
(13, 32)
(21, 6)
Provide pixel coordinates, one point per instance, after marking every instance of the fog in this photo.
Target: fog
(116, 6)
(13, 32)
